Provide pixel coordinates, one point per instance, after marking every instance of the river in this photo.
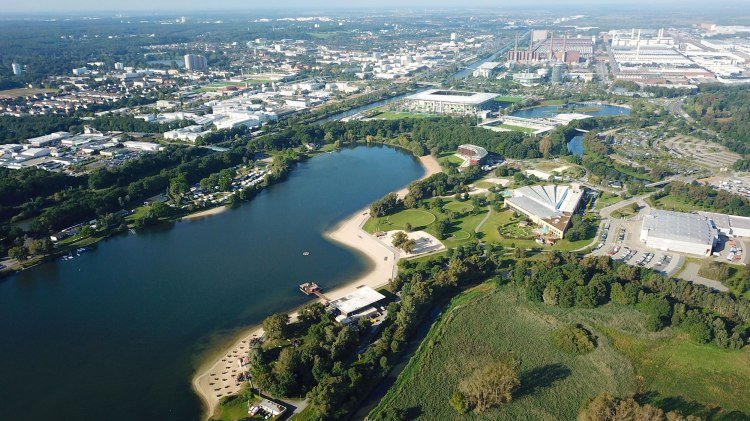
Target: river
(117, 333)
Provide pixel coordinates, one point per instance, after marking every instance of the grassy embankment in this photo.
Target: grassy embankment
(488, 322)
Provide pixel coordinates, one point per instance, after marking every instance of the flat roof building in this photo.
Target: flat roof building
(357, 301)
(681, 232)
(550, 207)
(440, 101)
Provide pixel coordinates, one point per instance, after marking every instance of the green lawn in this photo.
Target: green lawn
(397, 115)
(235, 408)
(680, 372)
(518, 128)
(607, 199)
(503, 218)
(507, 98)
(460, 232)
(418, 218)
(489, 323)
(673, 203)
(459, 207)
(449, 158)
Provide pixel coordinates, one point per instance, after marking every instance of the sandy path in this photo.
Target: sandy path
(217, 378)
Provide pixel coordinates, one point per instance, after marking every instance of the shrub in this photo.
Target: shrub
(573, 339)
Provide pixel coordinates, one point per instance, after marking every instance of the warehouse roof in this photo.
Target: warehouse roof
(677, 226)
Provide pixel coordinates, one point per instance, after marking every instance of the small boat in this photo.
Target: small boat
(305, 253)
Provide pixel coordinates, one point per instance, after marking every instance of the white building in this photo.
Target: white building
(486, 69)
(358, 301)
(440, 101)
(17, 69)
(550, 207)
(730, 225)
(80, 71)
(681, 232)
(143, 146)
(48, 140)
(187, 134)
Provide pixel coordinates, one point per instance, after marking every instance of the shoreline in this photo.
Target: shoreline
(224, 366)
(205, 213)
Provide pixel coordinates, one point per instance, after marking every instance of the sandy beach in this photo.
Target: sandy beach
(203, 214)
(217, 378)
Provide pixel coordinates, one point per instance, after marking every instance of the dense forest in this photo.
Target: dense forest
(706, 197)
(726, 110)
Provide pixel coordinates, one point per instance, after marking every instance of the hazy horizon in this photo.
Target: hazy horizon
(177, 6)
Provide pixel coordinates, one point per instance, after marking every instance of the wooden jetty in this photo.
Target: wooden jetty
(311, 288)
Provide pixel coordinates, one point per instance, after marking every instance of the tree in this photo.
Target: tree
(399, 239)
(20, 253)
(276, 326)
(459, 403)
(605, 407)
(489, 386)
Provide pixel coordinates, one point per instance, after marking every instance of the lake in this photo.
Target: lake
(118, 332)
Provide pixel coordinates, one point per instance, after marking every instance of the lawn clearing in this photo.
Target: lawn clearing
(488, 323)
(518, 128)
(19, 92)
(419, 219)
(680, 372)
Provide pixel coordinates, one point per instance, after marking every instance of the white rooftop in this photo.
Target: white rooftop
(456, 97)
(548, 201)
(678, 226)
(357, 300)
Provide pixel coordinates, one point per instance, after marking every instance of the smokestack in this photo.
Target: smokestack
(552, 47)
(565, 47)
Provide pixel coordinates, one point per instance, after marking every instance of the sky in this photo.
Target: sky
(37, 6)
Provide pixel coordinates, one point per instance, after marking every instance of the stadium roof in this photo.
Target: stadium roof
(457, 97)
(677, 226)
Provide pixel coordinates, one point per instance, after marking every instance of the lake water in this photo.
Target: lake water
(605, 110)
(117, 333)
(575, 145)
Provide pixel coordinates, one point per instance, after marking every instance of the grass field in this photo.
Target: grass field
(666, 368)
(607, 199)
(687, 376)
(418, 218)
(449, 158)
(518, 128)
(552, 102)
(15, 93)
(397, 115)
(670, 202)
(460, 207)
(506, 98)
(489, 323)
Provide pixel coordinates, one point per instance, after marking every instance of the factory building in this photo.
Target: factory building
(562, 49)
(436, 101)
(486, 70)
(550, 207)
(680, 232)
